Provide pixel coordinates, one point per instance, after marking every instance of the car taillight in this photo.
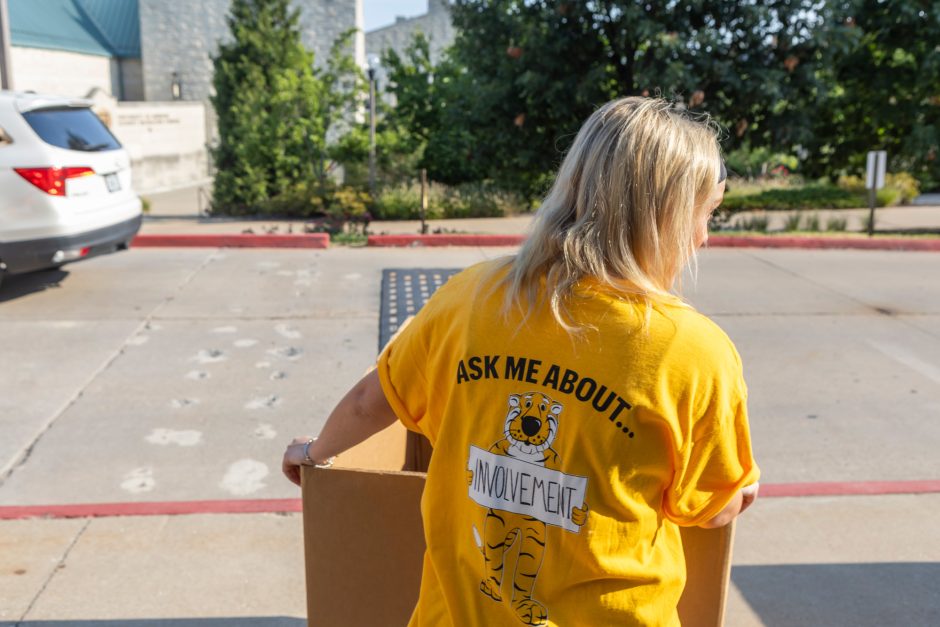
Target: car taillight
(52, 180)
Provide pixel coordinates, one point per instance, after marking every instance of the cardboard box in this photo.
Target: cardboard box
(364, 542)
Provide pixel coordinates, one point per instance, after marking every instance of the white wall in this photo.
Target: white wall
(166, 142)
(61, 73)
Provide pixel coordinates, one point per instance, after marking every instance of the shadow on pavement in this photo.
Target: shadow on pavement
(20, 285)
(842, 594)
(247, 621)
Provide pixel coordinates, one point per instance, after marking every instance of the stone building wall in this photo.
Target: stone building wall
(181, 36)
(435, 24)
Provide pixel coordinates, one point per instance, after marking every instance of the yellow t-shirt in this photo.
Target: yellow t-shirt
(563, 464)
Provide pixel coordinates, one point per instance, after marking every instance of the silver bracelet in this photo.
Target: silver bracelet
(325, 464)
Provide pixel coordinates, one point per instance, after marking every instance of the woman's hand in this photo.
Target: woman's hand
(294, 458)
(363, 412)
(749, 495)
(741, 501)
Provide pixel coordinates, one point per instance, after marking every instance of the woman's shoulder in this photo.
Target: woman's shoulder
(699, 334)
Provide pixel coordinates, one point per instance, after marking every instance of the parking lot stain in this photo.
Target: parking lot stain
(263, 402)
(287, 331)
(164, 437)
(209, 356)
(244, 477)
(287, 352)
(265, 431)
(139, 480)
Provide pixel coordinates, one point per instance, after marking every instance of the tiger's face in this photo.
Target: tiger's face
(532, 421)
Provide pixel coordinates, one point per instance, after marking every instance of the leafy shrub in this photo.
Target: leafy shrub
(721, 220)
(812, 222)
(760, 162)
(757, 222)
(339, 207)
(468, 200)
(835, 223)
(900, 188)
(403, 202)
(788, 199)
(793, 222)
(480, 200)
(903, 182)
(888, 196)
(852, 183)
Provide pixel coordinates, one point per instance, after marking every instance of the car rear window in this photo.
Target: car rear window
(73, 129)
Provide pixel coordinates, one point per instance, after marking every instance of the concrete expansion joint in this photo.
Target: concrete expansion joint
(60, 564)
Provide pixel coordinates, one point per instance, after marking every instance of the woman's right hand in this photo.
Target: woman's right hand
(294, 458)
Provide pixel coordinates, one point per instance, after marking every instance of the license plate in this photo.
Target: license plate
(113, 182)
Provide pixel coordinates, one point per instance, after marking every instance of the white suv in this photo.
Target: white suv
(65, 184)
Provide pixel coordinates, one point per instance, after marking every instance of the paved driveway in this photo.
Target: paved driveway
(166, 375)
(180, 374)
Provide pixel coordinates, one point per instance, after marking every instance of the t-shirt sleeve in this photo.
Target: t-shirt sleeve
(402, 368)
(715, 460)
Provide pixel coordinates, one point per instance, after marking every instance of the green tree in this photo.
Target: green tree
(524, 74)
(274, 109)
(885, 88)
(429, 115)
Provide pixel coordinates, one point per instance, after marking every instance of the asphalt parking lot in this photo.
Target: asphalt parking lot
(180, 374)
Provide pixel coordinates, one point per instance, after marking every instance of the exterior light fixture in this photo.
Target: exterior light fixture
(176, 86)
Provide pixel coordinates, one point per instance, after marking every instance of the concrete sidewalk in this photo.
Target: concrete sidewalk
(180, 212)
(888, 220)
(853, 561)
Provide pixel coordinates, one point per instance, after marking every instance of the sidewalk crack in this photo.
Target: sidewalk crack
(59, 565)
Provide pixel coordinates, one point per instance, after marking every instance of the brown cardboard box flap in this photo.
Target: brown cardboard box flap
(364, 546)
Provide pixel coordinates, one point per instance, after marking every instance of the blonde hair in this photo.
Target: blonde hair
(621, 209)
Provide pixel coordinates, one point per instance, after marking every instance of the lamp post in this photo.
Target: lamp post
(373, 66)
(6, 64)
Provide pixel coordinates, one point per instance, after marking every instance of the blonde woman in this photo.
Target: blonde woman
(580, 411)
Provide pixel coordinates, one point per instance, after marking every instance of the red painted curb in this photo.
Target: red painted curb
(281, 506)
(240, 240)
(444, 240)
(850, 488)
(818, 243)
(715, 241)
(157, 508)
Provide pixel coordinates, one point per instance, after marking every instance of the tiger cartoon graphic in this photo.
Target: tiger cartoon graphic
(530, 428)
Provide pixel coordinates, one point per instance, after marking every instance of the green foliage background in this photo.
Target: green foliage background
(810, 85)
(816, 82)
(274, 110)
